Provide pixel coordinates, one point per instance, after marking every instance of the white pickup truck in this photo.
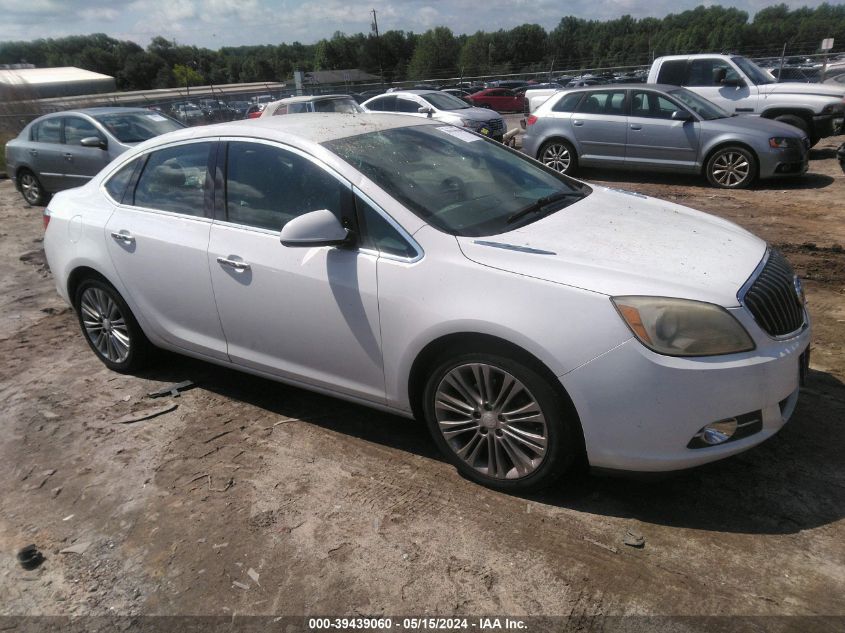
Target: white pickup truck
(738, 85)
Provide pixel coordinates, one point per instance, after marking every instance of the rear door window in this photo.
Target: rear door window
(174, 179)
(383, 104)
(604, 102)
(568, 103)
(48, 131)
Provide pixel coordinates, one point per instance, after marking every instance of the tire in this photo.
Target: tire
(559, 155)
(795, 121)
(731, 167)
(480, 435)
(110, 328)
(31, 188)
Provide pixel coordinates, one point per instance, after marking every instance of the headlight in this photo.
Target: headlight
(680, 327)
(782, 142)
(470, 123)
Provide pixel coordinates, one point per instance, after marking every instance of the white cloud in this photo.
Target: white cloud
(216, 23)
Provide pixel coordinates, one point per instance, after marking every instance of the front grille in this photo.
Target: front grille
(496, 125)
(773, 298)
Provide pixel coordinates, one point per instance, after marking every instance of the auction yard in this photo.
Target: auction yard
(251, 497)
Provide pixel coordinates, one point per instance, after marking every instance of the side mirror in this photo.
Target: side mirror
(316, 228)
(681, 115)
(426, 110)
(735, 82)
(93, 141)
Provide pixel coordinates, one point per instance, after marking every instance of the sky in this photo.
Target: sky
(217, 23)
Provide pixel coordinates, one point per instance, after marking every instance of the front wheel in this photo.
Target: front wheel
(731, 167)
(110, 328)
(559, 155)
(499, 422)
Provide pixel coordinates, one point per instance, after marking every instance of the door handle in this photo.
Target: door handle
(68, 156)
(233, 263)
(123, 236)
(634, 126)
(33, 152)
(578, 123)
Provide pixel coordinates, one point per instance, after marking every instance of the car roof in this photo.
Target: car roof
(307, 98)
(100, 110)
(313, 127)
(623, 86)
(699, 56)
(418, 91)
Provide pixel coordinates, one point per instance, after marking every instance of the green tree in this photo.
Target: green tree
(436, 54)
(186, 76)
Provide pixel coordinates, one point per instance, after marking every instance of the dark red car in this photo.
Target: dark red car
(499, 99)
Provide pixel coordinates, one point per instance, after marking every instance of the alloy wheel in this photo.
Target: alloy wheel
(557, 157)
(30, 188)
(491, 421)
(105, 325)
(731, 169)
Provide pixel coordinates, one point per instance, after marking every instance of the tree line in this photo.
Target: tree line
(400, 55)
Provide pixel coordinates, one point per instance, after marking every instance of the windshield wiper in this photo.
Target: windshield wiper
(538, 204)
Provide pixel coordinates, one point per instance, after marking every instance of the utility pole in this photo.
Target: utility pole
(378, 46)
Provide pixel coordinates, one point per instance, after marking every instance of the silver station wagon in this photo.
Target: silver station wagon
(661, 128)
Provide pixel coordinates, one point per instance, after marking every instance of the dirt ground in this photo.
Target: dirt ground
(255, 498)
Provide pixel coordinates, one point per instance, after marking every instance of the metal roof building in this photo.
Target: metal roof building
(43, 83)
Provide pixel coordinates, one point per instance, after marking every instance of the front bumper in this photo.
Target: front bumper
(639, 410)
(830, 124)
(791, 161)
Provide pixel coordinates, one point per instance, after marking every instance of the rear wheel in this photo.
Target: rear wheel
(110, 328)
(31, 188)
(731, 167)
(499, 422)
(559, 155)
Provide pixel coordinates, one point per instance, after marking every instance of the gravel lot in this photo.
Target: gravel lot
(255, 498)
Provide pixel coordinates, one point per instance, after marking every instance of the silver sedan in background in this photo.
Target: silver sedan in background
(66, 149)
(661, 128)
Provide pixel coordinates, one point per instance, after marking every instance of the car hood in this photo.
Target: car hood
(751, 124)
(621, 243)
(796, 87)
(474, 114)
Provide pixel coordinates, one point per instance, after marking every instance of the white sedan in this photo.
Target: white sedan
(532, 320)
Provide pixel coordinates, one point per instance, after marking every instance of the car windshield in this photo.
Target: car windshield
(135, 127)
(757, 75)
(707, 110)
(444, 101)
(458, 181)
(348, 106)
